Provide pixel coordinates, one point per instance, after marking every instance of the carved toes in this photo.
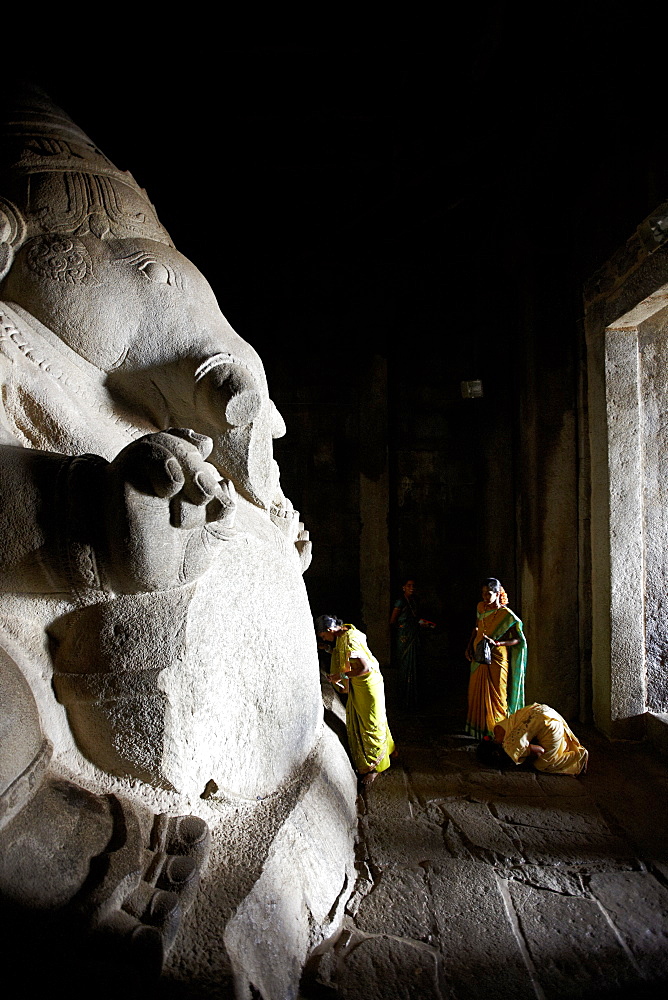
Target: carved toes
(189, 835)
(142, 910)
(181, 845)
(158, 909)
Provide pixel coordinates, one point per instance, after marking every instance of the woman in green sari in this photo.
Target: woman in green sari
(405, 620)
(496, 689)
(354, 669)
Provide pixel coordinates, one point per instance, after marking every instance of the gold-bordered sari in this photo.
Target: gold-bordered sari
(496, 689)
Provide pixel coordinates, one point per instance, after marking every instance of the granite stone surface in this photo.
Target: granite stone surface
(519, 884)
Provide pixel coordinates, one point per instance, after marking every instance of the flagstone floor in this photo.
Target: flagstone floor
(476, 884)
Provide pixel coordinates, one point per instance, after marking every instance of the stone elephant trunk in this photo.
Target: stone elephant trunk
(221, 396)
(232, 407)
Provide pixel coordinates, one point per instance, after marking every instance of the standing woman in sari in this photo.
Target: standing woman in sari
(355, 669)
(496, 689)
(406, 622)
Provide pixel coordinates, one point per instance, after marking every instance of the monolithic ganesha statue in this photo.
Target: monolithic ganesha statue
(160, 704)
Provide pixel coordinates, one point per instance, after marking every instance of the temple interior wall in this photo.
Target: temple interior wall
(472, 486)
(516, 483)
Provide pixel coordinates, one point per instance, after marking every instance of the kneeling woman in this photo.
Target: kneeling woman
(538, 731)
(355, 669)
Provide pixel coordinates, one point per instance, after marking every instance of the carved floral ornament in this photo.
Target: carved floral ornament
(60, 258)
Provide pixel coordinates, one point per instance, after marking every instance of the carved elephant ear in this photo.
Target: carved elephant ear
(12, 234)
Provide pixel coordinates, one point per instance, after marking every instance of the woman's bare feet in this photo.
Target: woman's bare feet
(369, 777)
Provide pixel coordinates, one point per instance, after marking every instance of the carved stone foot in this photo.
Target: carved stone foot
(81, 861)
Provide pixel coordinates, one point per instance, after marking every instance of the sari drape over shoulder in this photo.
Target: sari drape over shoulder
(369, 736)
(496, 689)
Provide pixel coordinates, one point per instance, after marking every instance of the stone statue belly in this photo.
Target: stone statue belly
(214, 682)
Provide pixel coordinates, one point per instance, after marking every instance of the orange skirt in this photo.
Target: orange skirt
(488, 694)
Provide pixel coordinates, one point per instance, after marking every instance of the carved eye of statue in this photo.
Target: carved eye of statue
(155, 271)
(152, 269)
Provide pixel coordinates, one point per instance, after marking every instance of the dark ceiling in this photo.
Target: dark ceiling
(299, 177)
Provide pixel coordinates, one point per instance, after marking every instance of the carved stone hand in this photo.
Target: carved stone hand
(167, 512)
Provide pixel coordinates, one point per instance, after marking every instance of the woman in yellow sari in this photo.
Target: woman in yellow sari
(496, 688)
(354, 669)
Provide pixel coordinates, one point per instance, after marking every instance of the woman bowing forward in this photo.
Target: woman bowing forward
(355, 669)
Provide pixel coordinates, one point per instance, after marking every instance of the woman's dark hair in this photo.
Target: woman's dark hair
(324, 622)
(491, 754)
(495, 587)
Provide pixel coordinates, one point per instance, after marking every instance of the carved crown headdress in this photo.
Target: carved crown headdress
(55, 178)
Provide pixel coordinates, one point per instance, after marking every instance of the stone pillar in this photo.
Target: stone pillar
(374, 505)
(624, 439)
(584, 534)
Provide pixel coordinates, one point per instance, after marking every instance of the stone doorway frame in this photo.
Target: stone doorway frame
(622, 300)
